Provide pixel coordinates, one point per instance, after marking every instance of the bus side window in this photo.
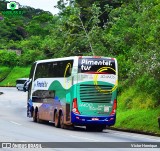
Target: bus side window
(68, 72)
(40, 71)
(65, 69)
(60, 73)
(37, 72)
(52, 69)
(68, 69)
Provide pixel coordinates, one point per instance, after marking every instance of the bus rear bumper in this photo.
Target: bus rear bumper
(83, 120)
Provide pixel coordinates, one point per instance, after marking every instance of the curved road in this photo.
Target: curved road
(16, 127)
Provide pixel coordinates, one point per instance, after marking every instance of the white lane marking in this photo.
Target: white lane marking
(84, 138)
(15, 123)
(142, 136)
(23, 141)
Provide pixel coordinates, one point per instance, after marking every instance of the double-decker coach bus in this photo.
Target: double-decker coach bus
(79, 90)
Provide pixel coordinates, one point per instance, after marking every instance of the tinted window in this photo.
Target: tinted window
(54, 69)
(32, 71)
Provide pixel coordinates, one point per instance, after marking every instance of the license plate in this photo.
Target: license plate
(95, 119)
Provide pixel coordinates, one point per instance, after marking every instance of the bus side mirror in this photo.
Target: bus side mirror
(68, 98)
(26, 85)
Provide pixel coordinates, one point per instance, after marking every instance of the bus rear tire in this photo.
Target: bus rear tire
(56, 120)
(35, 116)
(62, 121)
(38, 120)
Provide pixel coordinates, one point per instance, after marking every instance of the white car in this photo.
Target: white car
(20, 83)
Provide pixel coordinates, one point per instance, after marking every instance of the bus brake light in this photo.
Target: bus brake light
(75, 106)
(114, 107)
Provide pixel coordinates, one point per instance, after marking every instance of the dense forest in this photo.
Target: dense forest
(126, 29)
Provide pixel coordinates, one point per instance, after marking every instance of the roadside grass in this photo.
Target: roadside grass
(145, 120)
(137, 111)
(4, 71)
(131, 98)
(16, 72)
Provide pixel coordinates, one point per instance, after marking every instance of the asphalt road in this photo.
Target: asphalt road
(16, 127)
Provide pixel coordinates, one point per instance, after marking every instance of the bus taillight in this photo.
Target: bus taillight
(75, 106)
(114, 107)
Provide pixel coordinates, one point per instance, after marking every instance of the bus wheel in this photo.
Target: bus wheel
(38, 120)
(56, 120)
(35, 116)
(62, 121)
(31, 110)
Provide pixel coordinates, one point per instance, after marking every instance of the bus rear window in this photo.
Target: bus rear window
(96, 65)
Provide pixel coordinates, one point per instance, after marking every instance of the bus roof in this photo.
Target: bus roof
(72, 57)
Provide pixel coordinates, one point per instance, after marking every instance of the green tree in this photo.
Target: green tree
(8, 58)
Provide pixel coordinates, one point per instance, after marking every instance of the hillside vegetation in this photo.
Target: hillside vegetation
(126, 30)
(15, 73)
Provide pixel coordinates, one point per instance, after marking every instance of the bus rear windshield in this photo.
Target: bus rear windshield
(96, 65)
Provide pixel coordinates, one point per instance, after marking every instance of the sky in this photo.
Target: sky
(47, 5)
